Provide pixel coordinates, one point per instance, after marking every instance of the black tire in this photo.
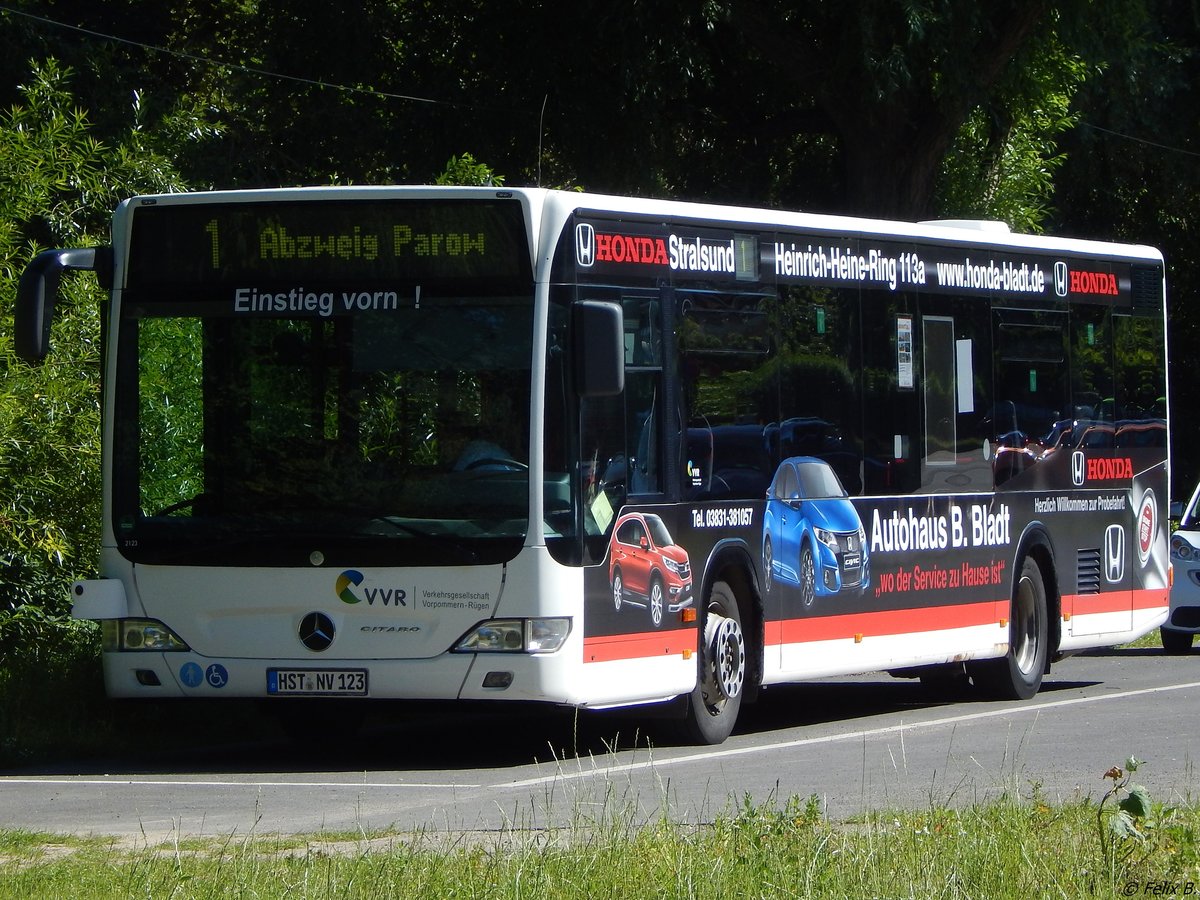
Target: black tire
(618, 590)
(655, 601)
(808, 577)
(768, 562)
(1018, 674)
(723, 665)
(1174, 642)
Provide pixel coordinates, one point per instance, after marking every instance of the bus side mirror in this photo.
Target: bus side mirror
(598, 348)
(37, 292)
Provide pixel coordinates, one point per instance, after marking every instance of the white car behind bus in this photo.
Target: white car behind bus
(1184, 619)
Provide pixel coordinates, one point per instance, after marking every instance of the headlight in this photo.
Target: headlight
(546, 635)
(828, 538)
(675, 567)
(1181, 548)
(515, 636)
(139, 635)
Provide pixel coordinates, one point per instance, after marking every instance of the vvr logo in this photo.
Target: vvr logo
(344, 587)
(1078, 468)
(348, 585)
(585, 245)
(1114, 554)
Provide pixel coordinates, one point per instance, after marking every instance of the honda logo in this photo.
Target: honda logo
(1078, 468)
(1060, 279)
(1114, 554)
(585, 245)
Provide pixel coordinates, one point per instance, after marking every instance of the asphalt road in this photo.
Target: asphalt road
(856, 743)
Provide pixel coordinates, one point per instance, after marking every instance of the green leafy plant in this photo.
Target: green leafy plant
(59, 182)
(58, 186)
(467, 170)
(1124, 826)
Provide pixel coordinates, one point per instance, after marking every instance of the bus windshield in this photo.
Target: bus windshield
(257, 425)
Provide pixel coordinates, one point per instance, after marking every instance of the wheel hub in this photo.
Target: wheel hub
(727, 650)
(1025, 627)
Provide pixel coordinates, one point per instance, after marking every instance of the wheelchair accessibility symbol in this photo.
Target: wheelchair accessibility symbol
(216, 675)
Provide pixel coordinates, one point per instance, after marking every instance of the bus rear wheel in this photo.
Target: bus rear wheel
(1018, 674)
(717, 698)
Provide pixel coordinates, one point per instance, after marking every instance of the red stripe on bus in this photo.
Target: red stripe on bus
(1152, 598)
(1116, 601)
(646, 645)
(895, 621)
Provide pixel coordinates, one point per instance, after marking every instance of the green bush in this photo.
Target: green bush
(50, 684)
(58, 186)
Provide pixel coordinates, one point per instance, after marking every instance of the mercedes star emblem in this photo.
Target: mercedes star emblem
(317, 631)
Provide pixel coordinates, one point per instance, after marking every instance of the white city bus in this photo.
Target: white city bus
(480, 444)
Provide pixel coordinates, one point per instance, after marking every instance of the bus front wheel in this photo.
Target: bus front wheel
(1018, 674)
(714, 703)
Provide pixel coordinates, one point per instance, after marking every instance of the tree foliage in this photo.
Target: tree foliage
(1133, 174)
(811, 106)
(58, 184)
(1006, 155)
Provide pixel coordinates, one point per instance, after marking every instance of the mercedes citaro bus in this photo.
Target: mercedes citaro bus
(375, 442)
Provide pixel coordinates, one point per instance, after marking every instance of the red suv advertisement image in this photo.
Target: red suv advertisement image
(646, 568)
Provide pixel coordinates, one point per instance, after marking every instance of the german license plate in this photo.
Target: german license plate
(317, 682)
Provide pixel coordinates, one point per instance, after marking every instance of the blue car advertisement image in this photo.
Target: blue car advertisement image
(813, 540)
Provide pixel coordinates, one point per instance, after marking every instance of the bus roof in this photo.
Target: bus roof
(555, 207)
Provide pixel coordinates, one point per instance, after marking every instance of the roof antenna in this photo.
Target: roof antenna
(541, 123)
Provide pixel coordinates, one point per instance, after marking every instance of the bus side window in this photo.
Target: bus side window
(730, 393)
(820, 379)
(643, 393)
(603, 467)
(1031, 389)
(620, 436)
(643, 411)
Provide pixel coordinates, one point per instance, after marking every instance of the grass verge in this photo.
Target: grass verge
(1008, 848)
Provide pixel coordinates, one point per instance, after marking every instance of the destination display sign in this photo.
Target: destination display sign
(683, 252)
(294, 242)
